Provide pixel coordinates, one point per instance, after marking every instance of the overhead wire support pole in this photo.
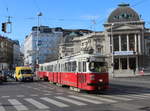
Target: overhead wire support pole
(112, 48)
(37, 43)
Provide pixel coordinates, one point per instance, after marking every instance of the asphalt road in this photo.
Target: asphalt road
(125, 94)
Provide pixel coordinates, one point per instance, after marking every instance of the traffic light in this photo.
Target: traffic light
(4, 27)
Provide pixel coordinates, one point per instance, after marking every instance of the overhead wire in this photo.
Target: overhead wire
(139, 3)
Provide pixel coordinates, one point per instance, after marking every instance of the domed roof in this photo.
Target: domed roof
(123, 13)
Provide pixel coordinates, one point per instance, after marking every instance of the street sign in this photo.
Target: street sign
(124, 53)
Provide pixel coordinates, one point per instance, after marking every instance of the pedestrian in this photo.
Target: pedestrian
(134, 68)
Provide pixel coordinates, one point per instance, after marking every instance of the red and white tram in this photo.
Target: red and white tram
(85, 72)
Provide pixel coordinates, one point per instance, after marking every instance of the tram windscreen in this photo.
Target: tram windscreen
(98, 67)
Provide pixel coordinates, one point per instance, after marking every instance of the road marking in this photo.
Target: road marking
(1, 107)
(71, 101)
(36, 88)
(36, 103)
(140, 96)
(117, 97)
(33, 95)
(146, 94)
(52, 101)
(59, 93)
(20, 96)
(133, 97)
(85, 99)
(46, 91)
(100, 98)
(19, 106)
(47, 94)
(5, 96)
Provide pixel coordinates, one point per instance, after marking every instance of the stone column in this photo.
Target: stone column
(135, 45)
(127, 42)
(139, 43)
(119, 42)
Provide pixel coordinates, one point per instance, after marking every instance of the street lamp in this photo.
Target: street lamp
(37, 42)
(112, 48)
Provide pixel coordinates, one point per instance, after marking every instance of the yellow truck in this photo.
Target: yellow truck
(23, 74)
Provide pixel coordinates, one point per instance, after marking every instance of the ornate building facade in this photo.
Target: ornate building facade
(6, 53)
(125, 42)
(126, 34)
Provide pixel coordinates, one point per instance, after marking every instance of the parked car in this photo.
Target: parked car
(3, 76)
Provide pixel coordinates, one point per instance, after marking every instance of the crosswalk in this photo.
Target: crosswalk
(59, 101)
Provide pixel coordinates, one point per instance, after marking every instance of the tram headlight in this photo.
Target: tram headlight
(100, 80)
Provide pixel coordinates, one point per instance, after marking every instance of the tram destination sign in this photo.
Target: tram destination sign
(124, 53)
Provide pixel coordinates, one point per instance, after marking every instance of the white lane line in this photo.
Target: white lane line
(133, 97)
(117, 97)
(100, 98)
(20, 96)
(19, 106)
(140, 96)
(36, 88)
(47, 94)
(85, 99)
(34, 95)
(36, 103)
(1, 107)
(137, 96)
(146, 94)
(46, 91)
(52, 101)
(71, 101)
(59, 93)
(5, 96)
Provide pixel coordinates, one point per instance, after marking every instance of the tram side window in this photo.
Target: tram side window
(74, 66)
(66, 67)
(59, 68)
(69, 66)
(44, 68)
(79, 66)
(48, 68)
(51, 68)
(41, 68)
(98, 67)
(84, 66)
(62, 68)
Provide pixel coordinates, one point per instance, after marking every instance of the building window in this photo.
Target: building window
(123, 43)
(99, 50)
(131, 42)
(116, 63)
(123, 62)
(116, 43)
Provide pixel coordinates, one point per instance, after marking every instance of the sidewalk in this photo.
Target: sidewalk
(127, 75)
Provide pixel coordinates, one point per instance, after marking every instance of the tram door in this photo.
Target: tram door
(81, 75)
(59, 74)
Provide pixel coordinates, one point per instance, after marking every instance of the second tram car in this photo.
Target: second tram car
(83, 72)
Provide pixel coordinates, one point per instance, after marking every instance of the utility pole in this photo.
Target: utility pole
(37, 42)
(112, 48)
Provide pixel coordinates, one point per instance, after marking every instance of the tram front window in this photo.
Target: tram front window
(97, 67)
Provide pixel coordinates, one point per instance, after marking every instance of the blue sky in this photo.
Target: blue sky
(74, 14)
